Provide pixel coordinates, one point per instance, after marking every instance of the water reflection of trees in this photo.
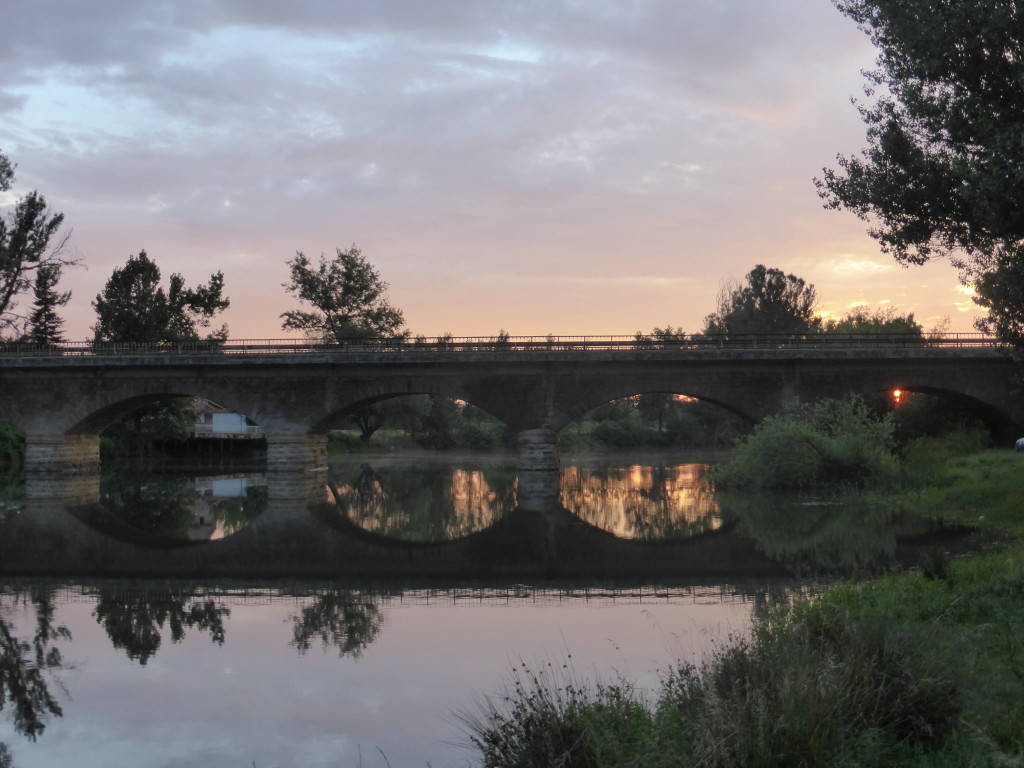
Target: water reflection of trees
(173, 507)
(346, 621)
(422, 503)
(642, 502)
(234, 513)
(158, 505)
(12, 490)
(135, 620)
(844, 535)
(27, 666)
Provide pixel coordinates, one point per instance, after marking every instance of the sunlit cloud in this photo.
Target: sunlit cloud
(656, 281)
(966, 303)
(858, 266)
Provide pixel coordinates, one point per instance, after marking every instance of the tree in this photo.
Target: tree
(943, 172)
(881, 321)
(45, 326)
(654, 406)
(770, 302)
(348, 297)
(134, 308)
(368, 420)
(30, 239)
(438, 428)
(6, 172)
(660, 338)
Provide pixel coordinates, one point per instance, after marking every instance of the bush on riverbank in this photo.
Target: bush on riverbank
(548, 717)
(12, 447)
(831, 443)
(653, 421)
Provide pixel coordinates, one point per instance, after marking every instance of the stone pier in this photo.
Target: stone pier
(538, 450)
(538, 490)
(289, 452)
(62, 453)
(62, 486)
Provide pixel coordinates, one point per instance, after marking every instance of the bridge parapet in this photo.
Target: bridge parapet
(133, 353)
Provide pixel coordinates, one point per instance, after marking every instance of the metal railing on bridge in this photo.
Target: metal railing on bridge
(505, 344)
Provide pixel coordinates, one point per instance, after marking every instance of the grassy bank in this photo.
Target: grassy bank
(922, 668)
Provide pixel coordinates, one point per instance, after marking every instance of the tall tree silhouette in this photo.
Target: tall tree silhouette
(45, 326)
(134, 307)
(30, 240)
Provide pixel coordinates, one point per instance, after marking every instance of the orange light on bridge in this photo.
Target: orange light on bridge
(897, 396)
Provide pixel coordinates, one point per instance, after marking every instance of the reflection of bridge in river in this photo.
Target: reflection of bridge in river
(62, 530)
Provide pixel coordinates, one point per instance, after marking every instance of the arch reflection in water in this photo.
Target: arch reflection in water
(642, 501)
(413, 501)
(167, 509)
(443, 501)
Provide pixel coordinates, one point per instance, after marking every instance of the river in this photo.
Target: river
(174, 620)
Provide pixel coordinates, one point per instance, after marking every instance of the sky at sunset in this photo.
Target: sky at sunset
(560, 167)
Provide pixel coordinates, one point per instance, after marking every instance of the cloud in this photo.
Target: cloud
(651, 147)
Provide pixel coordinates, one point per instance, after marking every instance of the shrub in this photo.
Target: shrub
(12, 447)
(831, 443)
(923, 459)
(810, 688)
(547, 717)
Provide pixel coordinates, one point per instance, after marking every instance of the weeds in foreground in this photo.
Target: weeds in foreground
(809, 688)
(547, 717)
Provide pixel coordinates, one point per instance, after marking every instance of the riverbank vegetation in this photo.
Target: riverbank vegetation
(648, 421)
(921, 667)
(12, 448)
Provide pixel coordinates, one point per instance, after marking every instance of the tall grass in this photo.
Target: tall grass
(810, 688)
(807, 688)
(547, 717)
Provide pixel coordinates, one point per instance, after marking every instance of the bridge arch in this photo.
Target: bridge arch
(593, 400)
(995, 419)
(361, 397)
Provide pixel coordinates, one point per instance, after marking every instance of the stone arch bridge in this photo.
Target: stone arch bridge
(62, 398)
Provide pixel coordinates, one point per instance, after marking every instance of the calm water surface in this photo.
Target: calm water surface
(431, 580)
